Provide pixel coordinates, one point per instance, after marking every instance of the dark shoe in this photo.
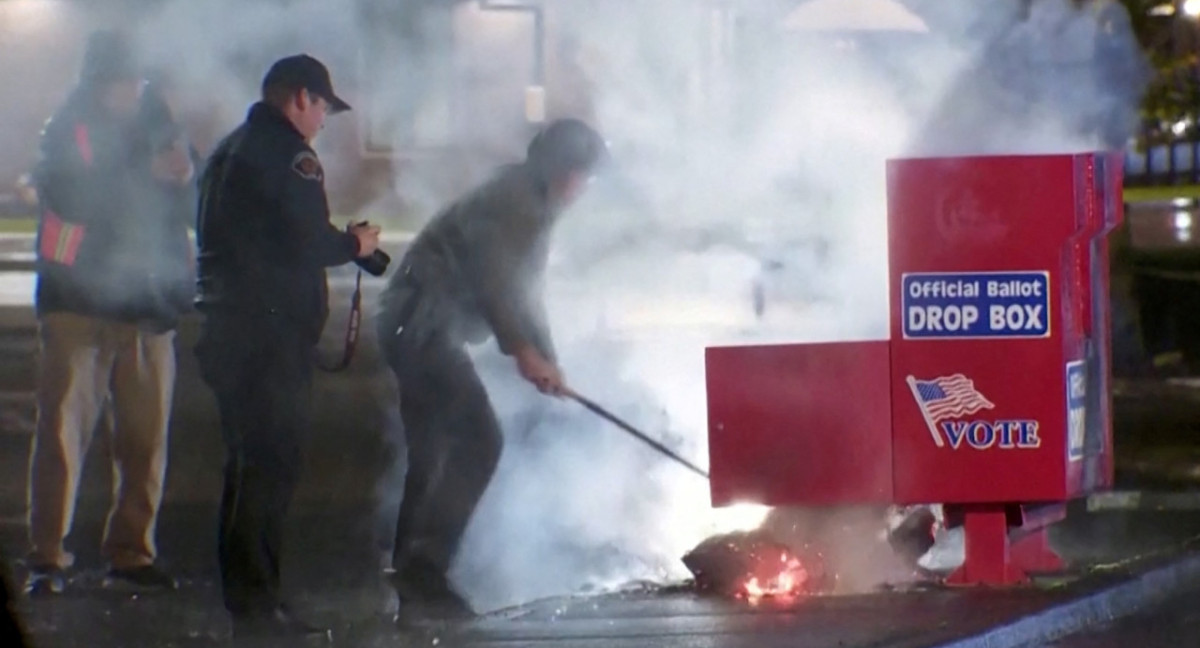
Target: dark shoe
(447, 607)
(428, 590)
(418, 579)
(148, 577)
(277, 623)
(45, 580)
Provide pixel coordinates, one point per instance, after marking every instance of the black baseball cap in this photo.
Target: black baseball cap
(303, 72)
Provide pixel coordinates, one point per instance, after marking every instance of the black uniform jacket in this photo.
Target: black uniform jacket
(263, 226)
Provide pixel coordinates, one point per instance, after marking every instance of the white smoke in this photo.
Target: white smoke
(217, 51)
(761, 164)
(397, 65)
(751, 159)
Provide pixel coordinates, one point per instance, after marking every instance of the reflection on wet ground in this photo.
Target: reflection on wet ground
(330, 570)
(1164, 226)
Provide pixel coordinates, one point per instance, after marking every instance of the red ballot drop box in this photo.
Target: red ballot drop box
(992, 394)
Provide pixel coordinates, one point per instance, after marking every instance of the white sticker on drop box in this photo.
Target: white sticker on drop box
(1076, 408)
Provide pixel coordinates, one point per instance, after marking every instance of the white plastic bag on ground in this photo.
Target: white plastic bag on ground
(948, 551)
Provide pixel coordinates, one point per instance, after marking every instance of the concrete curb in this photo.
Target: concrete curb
(1120, 600)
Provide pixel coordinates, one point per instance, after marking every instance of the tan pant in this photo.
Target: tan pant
(84, 362)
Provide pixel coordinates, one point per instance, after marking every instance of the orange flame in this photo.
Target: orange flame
(788, 581)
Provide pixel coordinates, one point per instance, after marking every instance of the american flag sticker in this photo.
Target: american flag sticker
(946, 398)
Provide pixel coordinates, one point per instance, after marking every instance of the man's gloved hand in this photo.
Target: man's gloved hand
(539, 371)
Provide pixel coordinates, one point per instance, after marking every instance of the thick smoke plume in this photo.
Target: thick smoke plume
(757, 167)
(748, 205)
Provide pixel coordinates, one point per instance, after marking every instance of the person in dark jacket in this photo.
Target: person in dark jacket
(474, 272)
(265, 240)
(163, 140)
(105, 329)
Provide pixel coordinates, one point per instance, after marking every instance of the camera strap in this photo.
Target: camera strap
(351, 329)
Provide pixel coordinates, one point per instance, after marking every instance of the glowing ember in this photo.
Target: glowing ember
(753, 566)
(789, 580)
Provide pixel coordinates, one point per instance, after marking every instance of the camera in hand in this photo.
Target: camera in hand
(377, 263)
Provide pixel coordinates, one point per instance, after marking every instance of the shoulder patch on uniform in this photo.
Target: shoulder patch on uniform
(307, 166)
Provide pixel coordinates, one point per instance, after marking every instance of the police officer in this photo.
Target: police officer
(265, 240)
(475, 271)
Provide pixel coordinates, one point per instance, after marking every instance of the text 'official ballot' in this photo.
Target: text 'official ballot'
(976, 305)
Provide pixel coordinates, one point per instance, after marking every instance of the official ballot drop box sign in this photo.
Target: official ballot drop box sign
(993, 384)
(996, 264)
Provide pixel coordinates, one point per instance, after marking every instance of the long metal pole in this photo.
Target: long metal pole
(641, 436)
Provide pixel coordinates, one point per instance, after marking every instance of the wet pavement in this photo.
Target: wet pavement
(1174, 624)
(331, 565)
(1164, 226)
(330, 572)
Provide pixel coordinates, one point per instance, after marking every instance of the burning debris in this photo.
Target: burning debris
(796, 552)
(753, 565)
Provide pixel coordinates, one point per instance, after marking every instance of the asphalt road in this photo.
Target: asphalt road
(332, 570)
(330, 574)
(1174, 624)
